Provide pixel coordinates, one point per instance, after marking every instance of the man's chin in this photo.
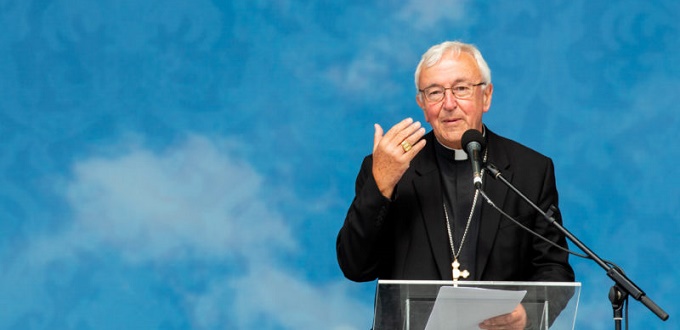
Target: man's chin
(450, 139)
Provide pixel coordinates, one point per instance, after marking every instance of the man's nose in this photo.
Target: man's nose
(450, 101)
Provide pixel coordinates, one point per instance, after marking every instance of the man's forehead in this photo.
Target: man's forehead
(452, 67)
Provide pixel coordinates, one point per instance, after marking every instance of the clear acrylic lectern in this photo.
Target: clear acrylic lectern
(408, 305)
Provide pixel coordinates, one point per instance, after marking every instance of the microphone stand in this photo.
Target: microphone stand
(624, 285)
(618, 299)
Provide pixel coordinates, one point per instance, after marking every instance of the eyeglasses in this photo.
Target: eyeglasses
(460, 91)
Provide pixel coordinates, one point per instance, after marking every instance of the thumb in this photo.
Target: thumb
(377, 136)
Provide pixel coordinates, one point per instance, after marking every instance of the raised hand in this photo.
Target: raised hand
(393, 152)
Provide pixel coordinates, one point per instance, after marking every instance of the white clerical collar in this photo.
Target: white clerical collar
(458, 154)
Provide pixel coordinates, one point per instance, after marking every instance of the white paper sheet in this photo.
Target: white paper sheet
(461, 308)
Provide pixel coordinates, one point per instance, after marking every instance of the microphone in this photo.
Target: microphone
(473, 143)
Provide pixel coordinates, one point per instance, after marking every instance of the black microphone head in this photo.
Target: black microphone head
(472, 135)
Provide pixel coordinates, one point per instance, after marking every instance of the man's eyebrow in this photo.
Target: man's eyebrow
(455, 82)
(432, 85)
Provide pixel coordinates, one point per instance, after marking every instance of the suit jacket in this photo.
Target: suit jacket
(405, 237)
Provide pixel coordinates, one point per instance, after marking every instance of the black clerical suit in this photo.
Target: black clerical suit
(406, 238)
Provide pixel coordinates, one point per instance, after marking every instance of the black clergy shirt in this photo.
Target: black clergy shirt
(459, 191)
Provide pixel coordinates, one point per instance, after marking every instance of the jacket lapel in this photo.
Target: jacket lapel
(497, 191)
(428, 189)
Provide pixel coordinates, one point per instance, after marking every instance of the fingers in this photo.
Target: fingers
(517, 319)
(420, 145)
(402, 130)
(498, 322)
(404, 134)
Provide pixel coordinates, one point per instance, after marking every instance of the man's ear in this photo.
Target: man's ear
(421, 104)
(488, 93)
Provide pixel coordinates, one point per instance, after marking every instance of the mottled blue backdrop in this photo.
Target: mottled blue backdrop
(187, 164)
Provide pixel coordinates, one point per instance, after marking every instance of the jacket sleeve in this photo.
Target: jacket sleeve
(358, 245)
(550, 263)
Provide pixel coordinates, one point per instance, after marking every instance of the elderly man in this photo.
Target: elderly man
(416, 211)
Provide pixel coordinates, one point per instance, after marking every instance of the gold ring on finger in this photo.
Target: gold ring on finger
(406, 146)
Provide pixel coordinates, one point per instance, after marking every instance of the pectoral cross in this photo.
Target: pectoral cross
(457, 273)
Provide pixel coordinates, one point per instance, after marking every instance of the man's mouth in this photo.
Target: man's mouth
(451, 120)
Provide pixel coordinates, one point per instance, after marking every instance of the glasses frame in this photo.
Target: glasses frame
(422, 91)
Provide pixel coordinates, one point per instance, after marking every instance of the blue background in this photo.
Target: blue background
(187, 164)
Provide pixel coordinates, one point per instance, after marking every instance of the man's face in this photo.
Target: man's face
(451, 117)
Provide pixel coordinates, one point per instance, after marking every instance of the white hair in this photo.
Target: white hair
(435, 53)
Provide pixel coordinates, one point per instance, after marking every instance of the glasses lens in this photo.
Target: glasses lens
(435, 94)
(462, 91)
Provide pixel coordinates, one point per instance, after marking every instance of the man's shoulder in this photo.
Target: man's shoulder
(513, 149)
